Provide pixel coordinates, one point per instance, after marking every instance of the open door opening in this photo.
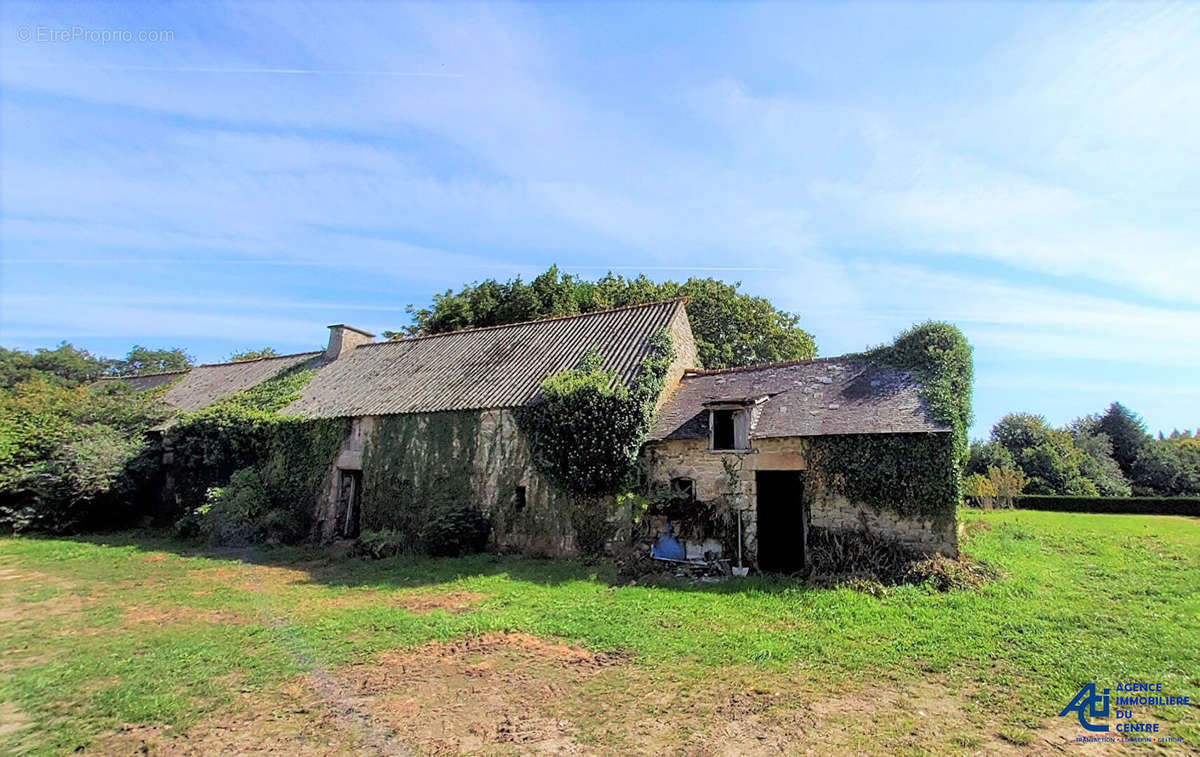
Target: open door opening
(782, 521)
(349, 503)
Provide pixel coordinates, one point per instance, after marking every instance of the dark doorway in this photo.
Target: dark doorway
(782, 521)
(349, 502)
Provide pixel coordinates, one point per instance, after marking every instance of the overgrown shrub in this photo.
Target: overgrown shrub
(234, 432)
(456, 529)
(865, 560)
(234, 514)
(266, 469)
(380, 544)
(75, 457)
(587, 428)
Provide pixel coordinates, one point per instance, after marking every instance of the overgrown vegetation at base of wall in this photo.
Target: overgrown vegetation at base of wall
(244, 473)
(415, 482)
(868, 561)
(914, 475)
(77, 457)
(1132, 505)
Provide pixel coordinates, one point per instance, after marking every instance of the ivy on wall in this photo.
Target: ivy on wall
(413, 475)
(266, 469)
(914, 475)
(587, 428)
(586, 431)
(939, 355)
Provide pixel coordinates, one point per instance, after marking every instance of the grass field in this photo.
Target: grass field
(127, 643)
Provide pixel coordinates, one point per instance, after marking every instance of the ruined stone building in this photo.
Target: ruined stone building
(735, 441)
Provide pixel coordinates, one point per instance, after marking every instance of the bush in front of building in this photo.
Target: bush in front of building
(456, 529)
(76, 457)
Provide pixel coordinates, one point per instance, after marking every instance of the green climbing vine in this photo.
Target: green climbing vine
(914, 475)
(587, 428)
(413, 476)
(243, 472)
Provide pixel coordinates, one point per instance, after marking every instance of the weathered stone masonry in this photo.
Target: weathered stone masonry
(711, 470)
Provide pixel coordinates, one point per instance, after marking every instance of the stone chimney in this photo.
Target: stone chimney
(343, 338)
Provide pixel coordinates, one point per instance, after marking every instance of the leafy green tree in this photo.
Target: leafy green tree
(979, 490)
(239, 357)
(1166, 469)
(1048, 456)
(1127, 432)
(145, 360)
(986, 455)
(731, 328)
(65, 363)
(1098, 464)
(1017, 432)
(1007, 483)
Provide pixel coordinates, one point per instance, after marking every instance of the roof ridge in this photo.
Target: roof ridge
(681, 299)
(258, 359)
(766, 366)
(144, 375)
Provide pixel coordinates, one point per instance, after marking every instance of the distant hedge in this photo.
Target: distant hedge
(1136, 505)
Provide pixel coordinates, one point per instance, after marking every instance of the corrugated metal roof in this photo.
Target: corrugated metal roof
(493, 367)
(203, 385)
(843, 395)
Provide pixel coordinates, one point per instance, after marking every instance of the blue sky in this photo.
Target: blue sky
(1029, 172)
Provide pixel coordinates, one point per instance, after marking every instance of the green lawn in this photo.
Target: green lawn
(120, 640)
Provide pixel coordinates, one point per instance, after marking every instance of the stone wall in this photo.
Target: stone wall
(498, 464)
(683, 344)
(728, 479)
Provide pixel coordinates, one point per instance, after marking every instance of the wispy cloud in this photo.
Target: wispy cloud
(1030, 176)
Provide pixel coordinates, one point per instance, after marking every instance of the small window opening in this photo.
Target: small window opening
(722, 429)
(685, 487)
(520, 498)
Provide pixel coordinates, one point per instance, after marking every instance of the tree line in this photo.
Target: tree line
(731, 328)
(1107, 454)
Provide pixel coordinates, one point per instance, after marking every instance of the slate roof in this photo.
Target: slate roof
(492, 367)
(841, 395)
(203, 385)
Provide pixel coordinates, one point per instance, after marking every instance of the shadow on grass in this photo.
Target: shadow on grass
(335, 566)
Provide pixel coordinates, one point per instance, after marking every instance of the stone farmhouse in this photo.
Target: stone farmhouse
(737, 440)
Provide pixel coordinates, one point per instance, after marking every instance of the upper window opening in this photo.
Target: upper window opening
(723, 436)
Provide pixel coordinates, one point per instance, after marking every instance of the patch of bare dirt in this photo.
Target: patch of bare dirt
(484, 693)
(251, 577)
(293, 721)
(513, 693)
